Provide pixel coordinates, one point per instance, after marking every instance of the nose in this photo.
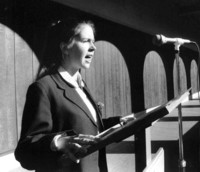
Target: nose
(92, 47)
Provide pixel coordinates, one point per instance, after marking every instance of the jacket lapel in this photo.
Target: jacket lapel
(71, 94)
(99, 116)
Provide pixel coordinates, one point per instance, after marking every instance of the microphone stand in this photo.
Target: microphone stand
(181, 162)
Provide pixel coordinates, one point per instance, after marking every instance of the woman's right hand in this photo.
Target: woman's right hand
(70, 145)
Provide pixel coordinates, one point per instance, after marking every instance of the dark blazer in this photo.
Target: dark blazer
(53, 106)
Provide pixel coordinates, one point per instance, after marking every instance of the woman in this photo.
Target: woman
(60, 117)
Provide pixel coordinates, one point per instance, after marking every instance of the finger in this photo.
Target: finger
(73, 158)
(65, 158)
(128, 118)
(75, 147)
(85, 139)
(86, 136)
(91, 137)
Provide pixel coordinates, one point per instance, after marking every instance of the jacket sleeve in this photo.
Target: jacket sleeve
(107, 122)
(33, 149)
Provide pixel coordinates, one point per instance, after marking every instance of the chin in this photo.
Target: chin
(86, 66)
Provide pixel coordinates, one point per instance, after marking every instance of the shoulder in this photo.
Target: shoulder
(47, 79)
(43, 85)
(44, 80)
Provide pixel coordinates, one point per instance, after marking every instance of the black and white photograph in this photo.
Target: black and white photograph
(99, 86)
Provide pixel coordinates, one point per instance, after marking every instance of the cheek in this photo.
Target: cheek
(78, 52)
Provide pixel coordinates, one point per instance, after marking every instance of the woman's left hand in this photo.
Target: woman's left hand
(126, 119)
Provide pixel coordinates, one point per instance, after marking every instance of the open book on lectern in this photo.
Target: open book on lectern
(142, 120)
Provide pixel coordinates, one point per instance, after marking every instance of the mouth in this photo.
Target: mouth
(89, 56)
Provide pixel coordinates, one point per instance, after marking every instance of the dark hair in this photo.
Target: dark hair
(61, 31)
(66, 30)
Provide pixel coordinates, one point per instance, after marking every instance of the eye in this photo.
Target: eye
(88, 40)
(85, 40)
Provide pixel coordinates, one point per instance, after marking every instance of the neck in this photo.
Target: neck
(72, 72)
(69, 68)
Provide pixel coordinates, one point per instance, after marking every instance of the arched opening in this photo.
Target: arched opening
(154, 78)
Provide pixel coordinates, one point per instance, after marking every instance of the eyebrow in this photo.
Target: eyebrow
(86, 38)
(89, 39)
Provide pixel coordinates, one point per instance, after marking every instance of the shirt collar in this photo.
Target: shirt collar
(70, 79)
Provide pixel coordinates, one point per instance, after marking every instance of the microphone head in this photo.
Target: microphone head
(157, 40)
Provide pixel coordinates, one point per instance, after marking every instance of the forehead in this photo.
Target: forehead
(85, 31)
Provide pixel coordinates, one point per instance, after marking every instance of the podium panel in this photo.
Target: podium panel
(157, 163)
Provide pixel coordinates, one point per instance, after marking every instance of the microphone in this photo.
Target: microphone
(161, 39)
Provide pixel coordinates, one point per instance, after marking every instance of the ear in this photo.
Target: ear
(63, 47)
